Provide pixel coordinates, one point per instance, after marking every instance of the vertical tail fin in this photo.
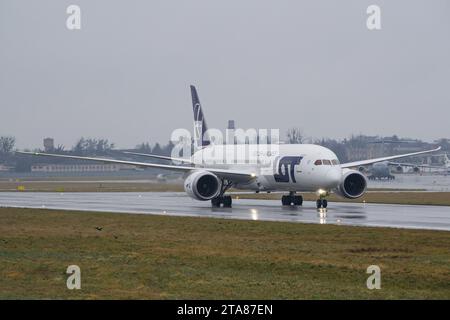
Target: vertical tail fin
(200, 135)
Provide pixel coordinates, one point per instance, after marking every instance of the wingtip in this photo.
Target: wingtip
(27, 152)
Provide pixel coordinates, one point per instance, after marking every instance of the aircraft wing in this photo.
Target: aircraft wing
(371, 161)
(233, 175)
(159, 157)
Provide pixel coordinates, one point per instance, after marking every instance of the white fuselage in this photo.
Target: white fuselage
(289, 167)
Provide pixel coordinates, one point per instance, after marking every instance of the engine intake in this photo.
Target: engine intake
(202, 185)
(353, 184)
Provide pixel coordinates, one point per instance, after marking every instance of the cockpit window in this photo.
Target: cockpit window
(335, 162)
(326, 162)
(318, 162)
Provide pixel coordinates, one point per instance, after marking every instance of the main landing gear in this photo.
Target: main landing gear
(224, 200)
(221, 199)
(291, 199)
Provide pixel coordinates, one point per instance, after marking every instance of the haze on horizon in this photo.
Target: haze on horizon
(125, 75)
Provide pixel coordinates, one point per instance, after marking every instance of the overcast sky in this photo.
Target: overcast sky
(267, 64)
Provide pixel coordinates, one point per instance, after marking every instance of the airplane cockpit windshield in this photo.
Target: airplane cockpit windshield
(326, 162)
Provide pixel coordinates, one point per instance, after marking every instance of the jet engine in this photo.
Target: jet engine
(202, 185)
(353, 184)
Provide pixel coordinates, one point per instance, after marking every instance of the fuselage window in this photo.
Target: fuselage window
(326, 162)
(318, 162)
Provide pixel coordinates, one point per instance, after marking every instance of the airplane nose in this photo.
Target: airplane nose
(334, 176)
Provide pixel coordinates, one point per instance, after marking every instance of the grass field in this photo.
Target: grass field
(158, 257)
(89, 186)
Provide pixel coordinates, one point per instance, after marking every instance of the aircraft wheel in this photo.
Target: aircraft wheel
(227, 201)
(298, 200)
(324, 203)
(286, 200)
(215, 202)
(319, 203)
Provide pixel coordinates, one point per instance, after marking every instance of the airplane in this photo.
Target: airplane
(382, 170)
(379, 170)
(444, 168)
(293, 168)
(446, 165)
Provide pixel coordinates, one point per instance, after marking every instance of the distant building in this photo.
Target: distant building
(49, 144)
(80, 167)
(4, 168)
(230, 132)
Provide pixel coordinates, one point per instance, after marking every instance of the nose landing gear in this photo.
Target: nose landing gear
(321, 203)
(292, 199)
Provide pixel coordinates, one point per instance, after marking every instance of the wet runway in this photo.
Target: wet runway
(178, 204)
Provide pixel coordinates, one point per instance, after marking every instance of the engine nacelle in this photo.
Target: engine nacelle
(202, 185)
(353, 184)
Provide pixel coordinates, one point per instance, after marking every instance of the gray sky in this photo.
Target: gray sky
(267, 64)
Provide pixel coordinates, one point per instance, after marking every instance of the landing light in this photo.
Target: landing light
(321, 192)
(252, 175)
(254, 213)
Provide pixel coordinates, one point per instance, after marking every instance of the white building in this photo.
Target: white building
(4, 168)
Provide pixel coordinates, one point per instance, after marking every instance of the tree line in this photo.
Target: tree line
(345, 149)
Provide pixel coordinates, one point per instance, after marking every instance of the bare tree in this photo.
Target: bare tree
(7, 144)
(295, 136)
(92, 146)
(79, 147)
(144, 147)
(60, 148)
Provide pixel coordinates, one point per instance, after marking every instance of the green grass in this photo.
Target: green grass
(158, 257)
(89, 186)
